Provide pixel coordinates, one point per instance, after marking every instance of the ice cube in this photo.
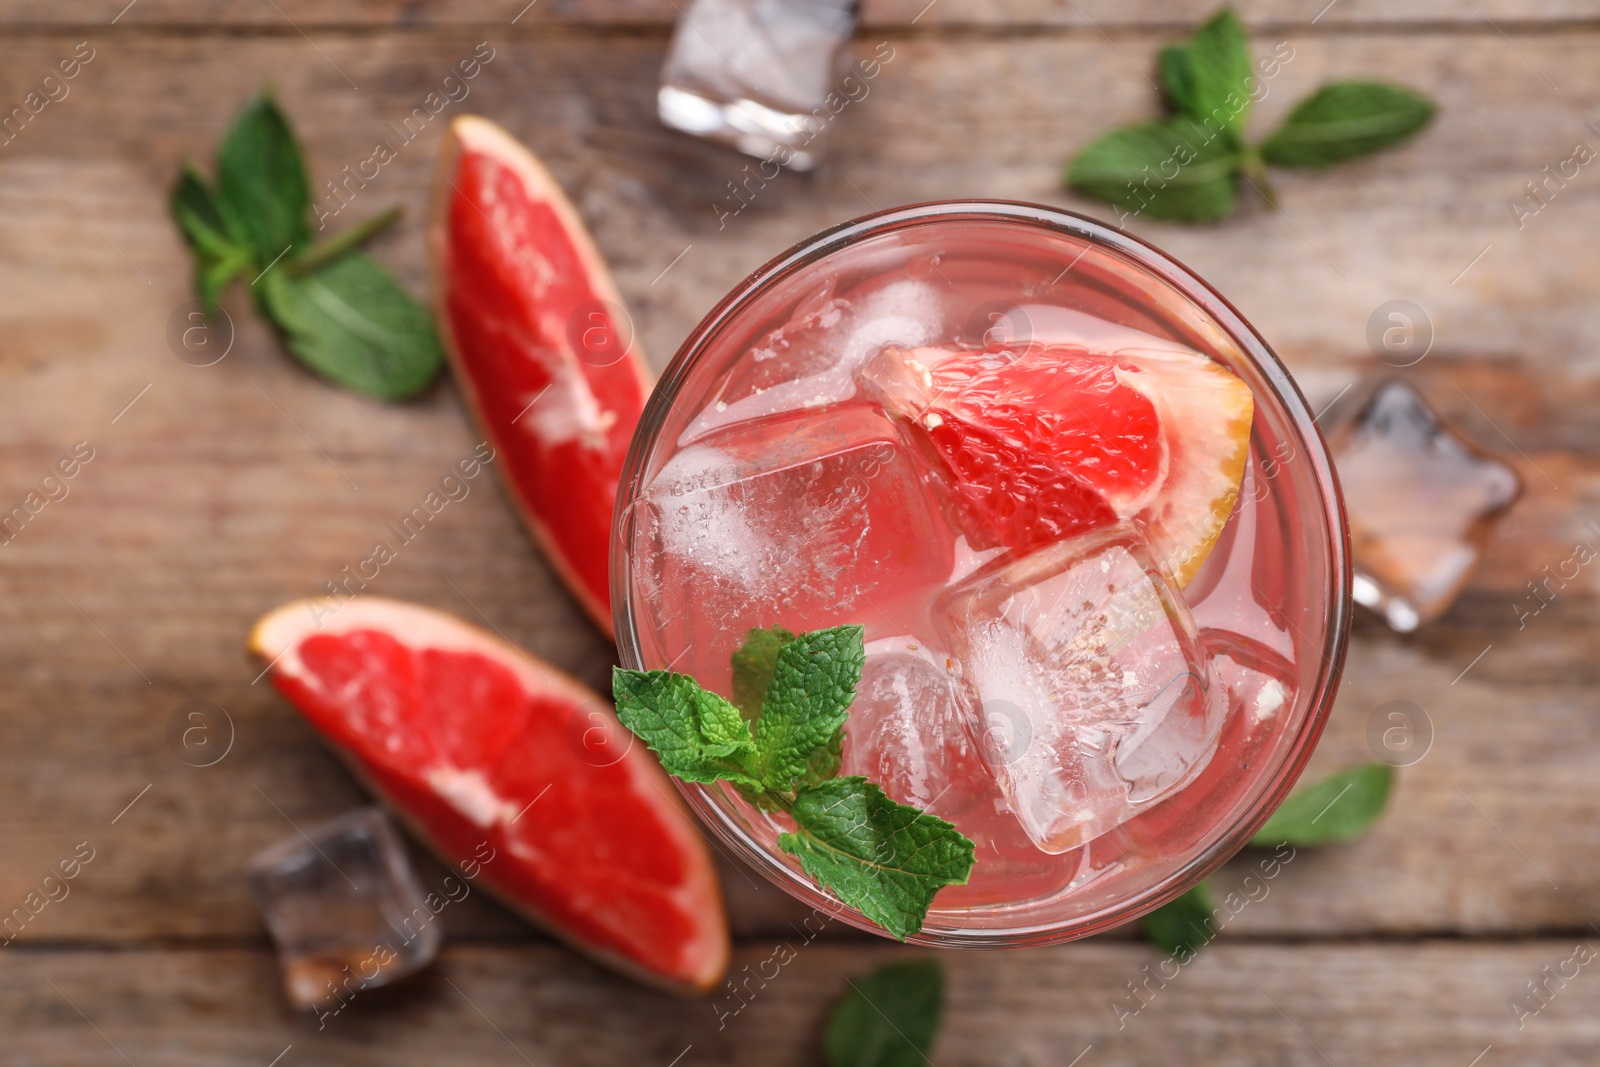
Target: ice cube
(782, 53)
(801, 521)
(1090, 653)
(909, 731)
(344, 909)
(1252, 691)
(811, 360)
(1421, 501)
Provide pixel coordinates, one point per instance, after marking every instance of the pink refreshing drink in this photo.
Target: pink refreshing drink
(1082, 516)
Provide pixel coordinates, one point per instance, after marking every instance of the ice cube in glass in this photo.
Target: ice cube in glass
(1422, 501)
(783, 522)
(910, 731)
(1089, 651)
(810, 359)
(1251, 689)
(344, 908)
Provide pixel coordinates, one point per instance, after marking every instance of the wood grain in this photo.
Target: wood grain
(225, 490)
(292, 16)
(1428, 1004)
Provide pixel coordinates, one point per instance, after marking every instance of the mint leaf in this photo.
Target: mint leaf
(1182, 927)
(824, 762)
(889, 1018)
(1177, 77)
(1218, 62)
(814, 678)
(261, 179)
(1338, 808)
(753, 665)
(884, 859)
(219, 254)
(1345, 120)
(698, 736)
(351, 323)
(1173, 169)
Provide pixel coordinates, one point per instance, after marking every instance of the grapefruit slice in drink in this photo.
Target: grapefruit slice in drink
(499, 761)
(1046, 441)
(543, 349)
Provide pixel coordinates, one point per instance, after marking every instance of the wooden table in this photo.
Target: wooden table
(215, 493)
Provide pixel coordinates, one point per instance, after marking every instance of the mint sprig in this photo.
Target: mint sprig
(1188, 166)
(342, 314)
(780, 747)
(889, 1018)
(1340, 807)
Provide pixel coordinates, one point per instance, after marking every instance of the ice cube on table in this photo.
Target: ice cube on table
(1089, 656)
(1421, 501)
(344, 909)
(909, 731)
(819, 518)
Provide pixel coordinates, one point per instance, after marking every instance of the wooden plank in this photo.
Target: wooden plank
(292, 16)
(1437, 1004)
(225, 490)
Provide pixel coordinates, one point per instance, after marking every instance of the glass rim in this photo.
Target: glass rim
(1251, 345)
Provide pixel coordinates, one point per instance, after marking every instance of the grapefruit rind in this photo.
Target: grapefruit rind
(1205, 412)
(276, 638)
(477, 135)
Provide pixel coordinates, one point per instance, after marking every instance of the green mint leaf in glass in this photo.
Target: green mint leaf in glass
(824, 762)
(1345, 120)
(884, 859)
(350, 322)
(1338, 808)
(814, 679)
(1173, 169)
(1182, 927)
(219, 254)
(697, 735)
(753, 665)
(261, 179)
(1218, 75)
(889, 1018)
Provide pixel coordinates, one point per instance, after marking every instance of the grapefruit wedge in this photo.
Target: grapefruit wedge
(541, 345)
(496, 758)
(1047, 441)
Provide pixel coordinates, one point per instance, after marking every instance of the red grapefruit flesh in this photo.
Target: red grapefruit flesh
(1048, 441)
(540, 342)
(481, 747)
